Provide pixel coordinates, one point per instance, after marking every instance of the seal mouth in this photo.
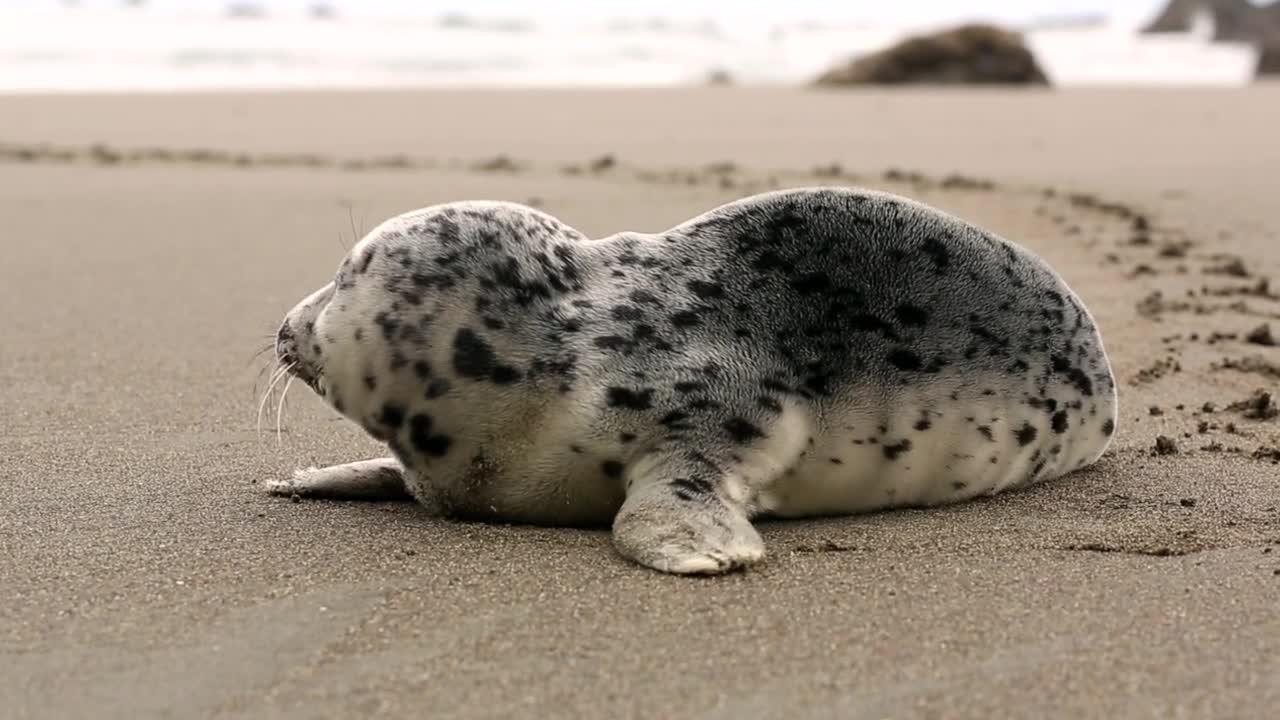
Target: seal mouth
(295, 367)
(288, 358)
(311, 380)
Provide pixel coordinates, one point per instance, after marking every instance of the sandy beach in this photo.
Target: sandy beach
(152, 244)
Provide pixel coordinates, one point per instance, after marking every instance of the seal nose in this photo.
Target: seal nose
(284, 343)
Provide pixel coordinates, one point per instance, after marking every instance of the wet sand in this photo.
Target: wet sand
(152, 244)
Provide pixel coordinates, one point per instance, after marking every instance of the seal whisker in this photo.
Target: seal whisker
(351, 222)
(279, 372)
(280, 406)
(266, 393)
(257, 380)
(263, 369)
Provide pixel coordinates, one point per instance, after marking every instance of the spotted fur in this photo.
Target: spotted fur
(801, 352)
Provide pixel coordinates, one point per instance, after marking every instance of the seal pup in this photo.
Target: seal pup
(804, 352)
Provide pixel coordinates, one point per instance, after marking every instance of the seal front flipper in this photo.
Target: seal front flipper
(680, 517)
(369, 480)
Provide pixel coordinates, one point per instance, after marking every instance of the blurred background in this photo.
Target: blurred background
(135, 45)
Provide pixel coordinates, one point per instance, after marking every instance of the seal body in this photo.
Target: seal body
(804, 352)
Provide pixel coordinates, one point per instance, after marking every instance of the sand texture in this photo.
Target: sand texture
(151, 245)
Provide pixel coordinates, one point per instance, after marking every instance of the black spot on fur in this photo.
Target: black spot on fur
(387, 324)
(937, 252)
(611, 342)
(626, 437)
(986, 432)
(507, 275)
(706, 290)
(742, 430)
(371, 382)
(629, 399)
(504, 375)
(818, 384)
(871, 323)
(769, 260)
(811, 283)
(1074, 375)
(392, 415)
(688, 387)
(923, 424)
(894, 451)
(422, 439)
(769, 404)
(1108, 427)
(911, 315)
(675, 420)
(904, 359)
(437, 388)
(685, 319)
(1059, 422)
(1026, 434)
(644, 296)
(474, 358)
(612, 469)
(422, 369)
(626, 313)
(775, 386)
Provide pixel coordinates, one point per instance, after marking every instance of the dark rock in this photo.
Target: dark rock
(603, 163)
(968, 54)
(1233, 20)
(719, 77)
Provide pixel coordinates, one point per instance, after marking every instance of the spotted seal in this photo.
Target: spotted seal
(814, 351)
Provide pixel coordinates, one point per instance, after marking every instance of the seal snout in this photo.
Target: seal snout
(286, 349)
(289, 355)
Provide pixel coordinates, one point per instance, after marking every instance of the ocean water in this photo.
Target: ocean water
(146, 50)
